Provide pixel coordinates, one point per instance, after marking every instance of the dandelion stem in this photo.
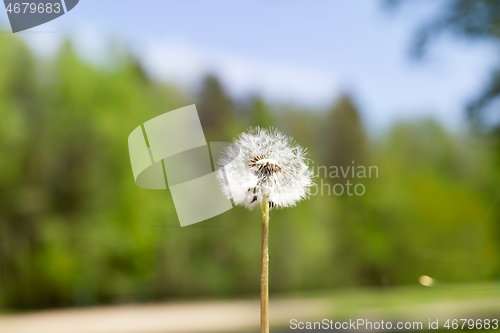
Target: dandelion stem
(264, 268)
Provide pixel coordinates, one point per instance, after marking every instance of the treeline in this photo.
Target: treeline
(76, 230)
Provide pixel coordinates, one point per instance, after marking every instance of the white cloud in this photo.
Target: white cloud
(177, 62)
(185, 64)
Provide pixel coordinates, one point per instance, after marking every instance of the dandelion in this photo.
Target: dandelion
(265, 163)
(266, 168)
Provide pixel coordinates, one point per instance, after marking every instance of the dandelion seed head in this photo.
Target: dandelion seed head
(263, 161)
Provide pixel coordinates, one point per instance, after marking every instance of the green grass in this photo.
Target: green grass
(451, 301)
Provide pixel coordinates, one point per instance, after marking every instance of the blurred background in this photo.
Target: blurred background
(411, 88)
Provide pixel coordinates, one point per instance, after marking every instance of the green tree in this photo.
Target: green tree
(473, 20)
(262, 115)
(215, 109)
(343, 138)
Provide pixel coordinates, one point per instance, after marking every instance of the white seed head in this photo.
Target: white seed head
(264, 161)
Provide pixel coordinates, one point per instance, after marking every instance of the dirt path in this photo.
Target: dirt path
(233, 316)
(230, 316)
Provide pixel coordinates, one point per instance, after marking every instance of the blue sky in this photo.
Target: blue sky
(306, 52)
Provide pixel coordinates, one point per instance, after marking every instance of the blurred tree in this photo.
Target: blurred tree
(76, 230)
(215, 109)
(471, 20)
(19, 95)
(263, 116)
(343, 146)
(68, 233)
(301, 124)
(441, 197)
(343, 138)
(476, 20)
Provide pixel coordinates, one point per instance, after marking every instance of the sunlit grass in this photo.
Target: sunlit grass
(410, 301)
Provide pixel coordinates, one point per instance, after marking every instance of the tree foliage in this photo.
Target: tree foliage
(473, 20)
(76, 230)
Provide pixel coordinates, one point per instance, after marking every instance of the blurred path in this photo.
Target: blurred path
(401, 304)
(227, 316)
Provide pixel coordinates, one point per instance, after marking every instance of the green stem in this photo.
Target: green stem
(264, 268)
